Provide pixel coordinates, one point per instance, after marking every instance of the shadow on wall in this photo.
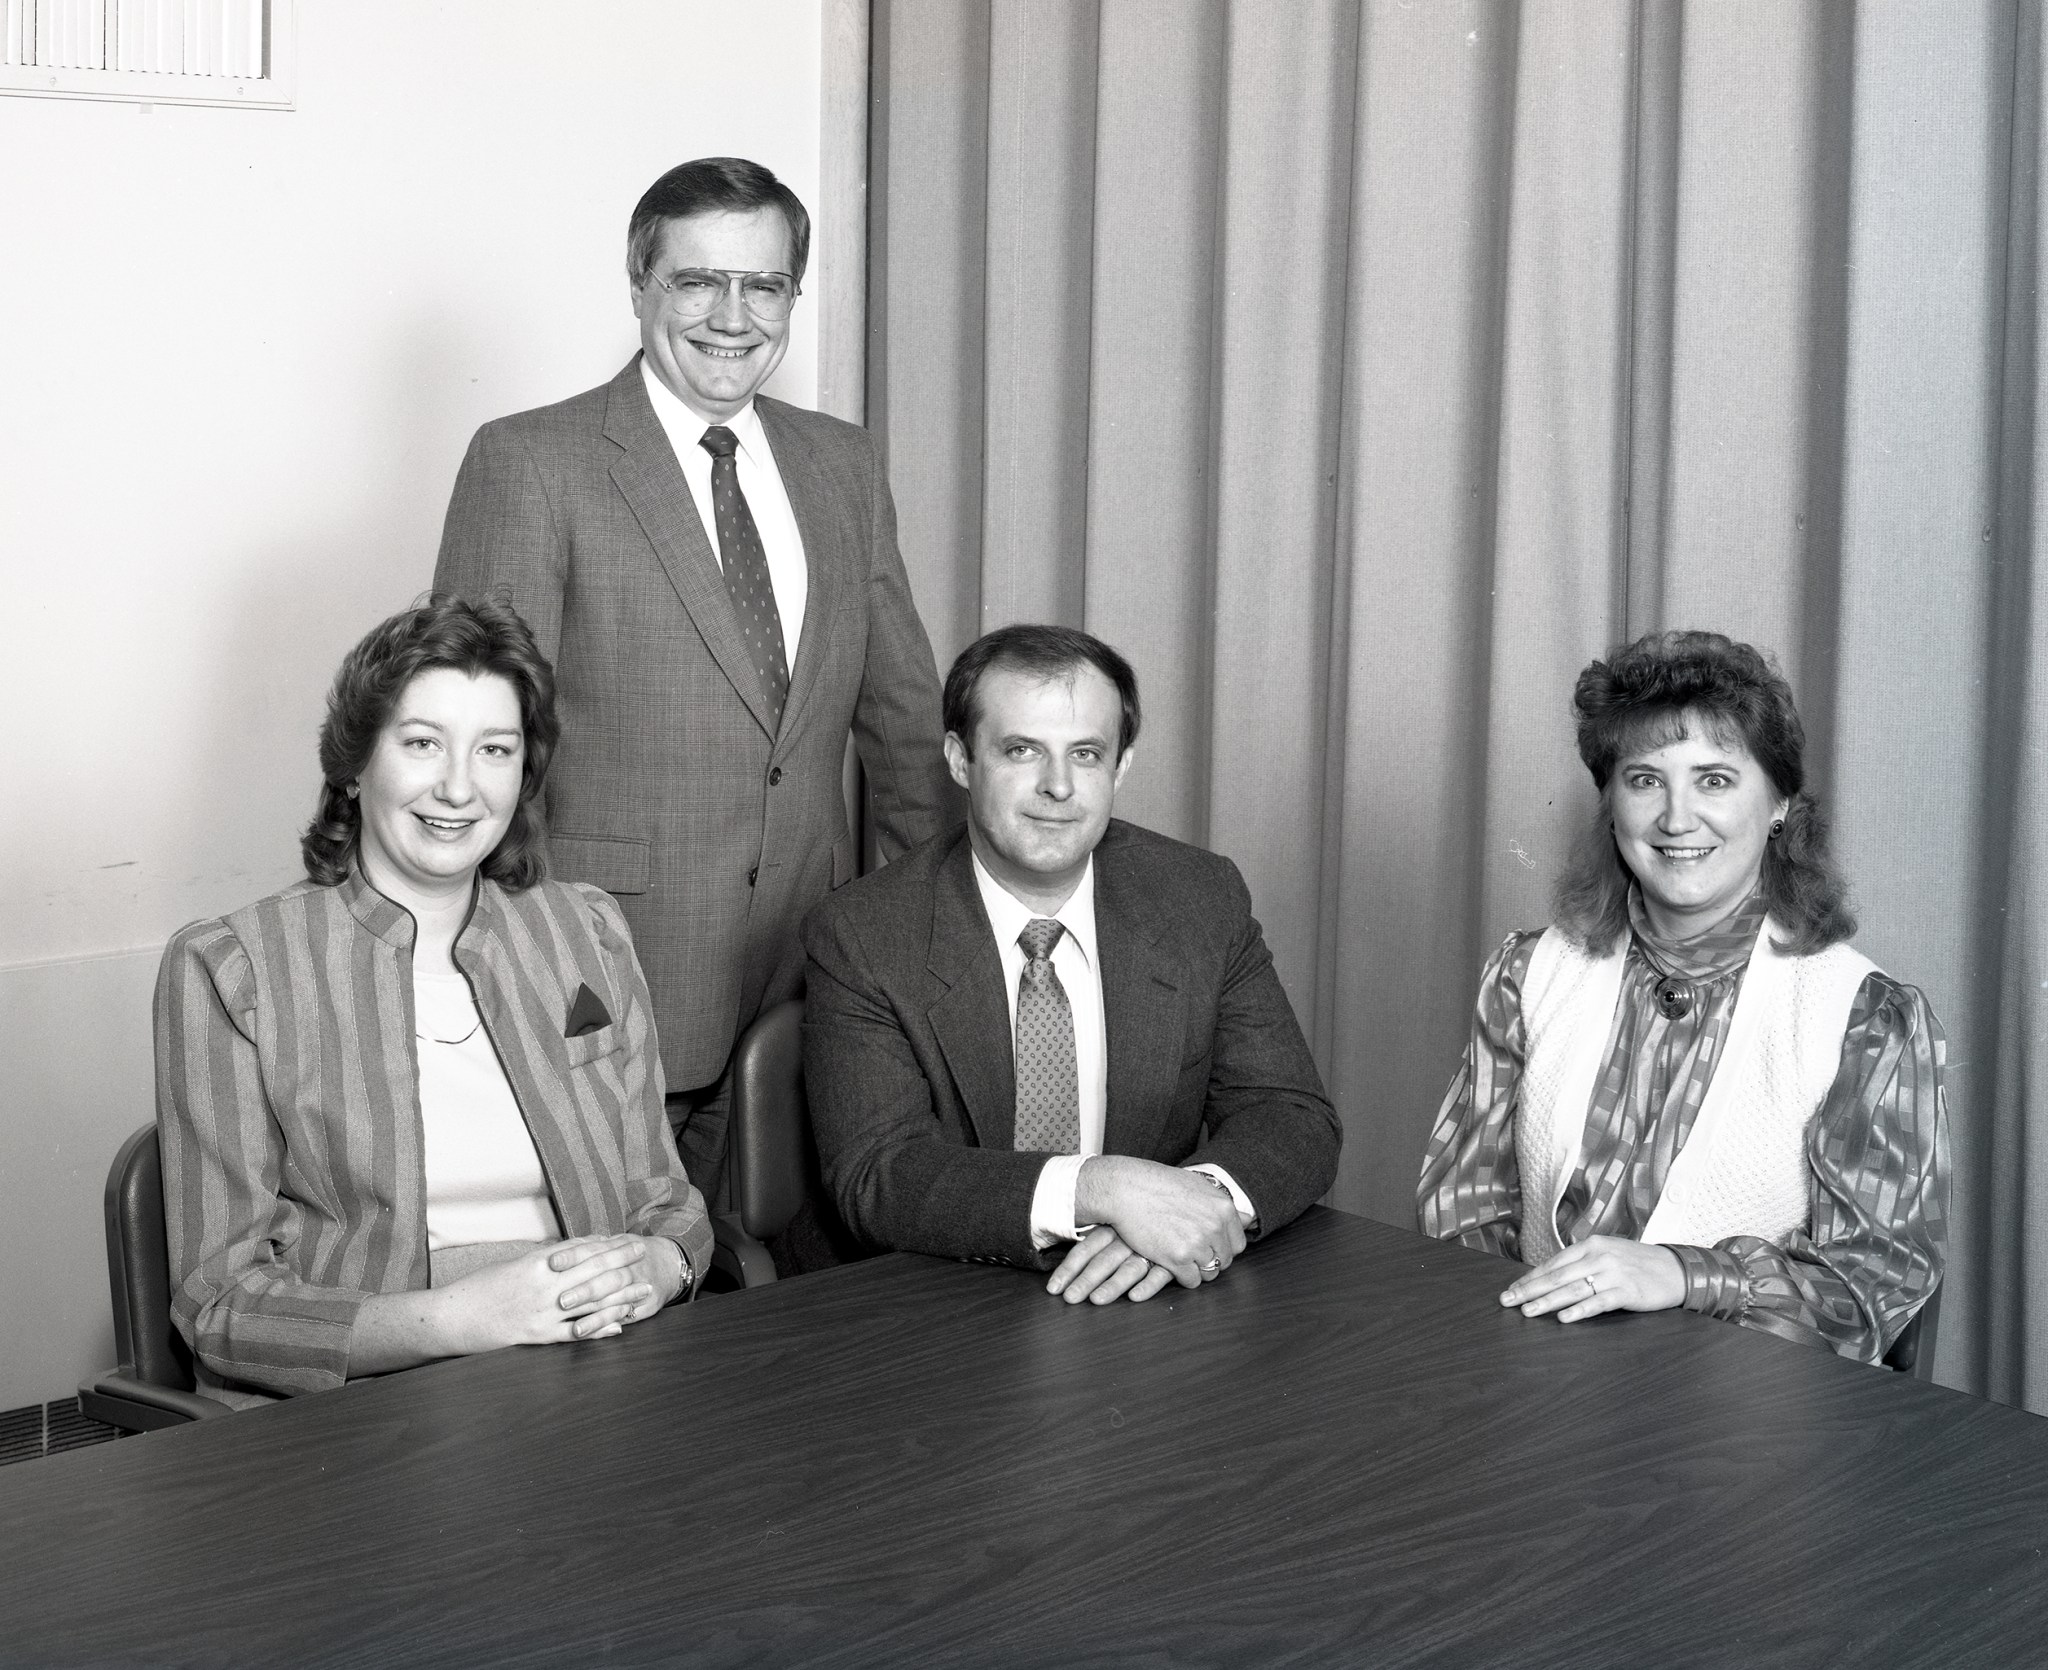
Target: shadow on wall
(296, 603)
(76, 1034)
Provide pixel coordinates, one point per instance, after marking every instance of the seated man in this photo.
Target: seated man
(1017, 1038)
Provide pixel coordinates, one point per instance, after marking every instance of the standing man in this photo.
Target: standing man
(715, 576)
(1057, 1040)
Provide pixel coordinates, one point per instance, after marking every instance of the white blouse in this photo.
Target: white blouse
(484, 1177)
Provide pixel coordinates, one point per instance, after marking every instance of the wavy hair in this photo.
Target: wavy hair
(439, 631)
(1650, 693)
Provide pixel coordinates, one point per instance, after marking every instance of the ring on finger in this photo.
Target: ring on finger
(1212, 1267)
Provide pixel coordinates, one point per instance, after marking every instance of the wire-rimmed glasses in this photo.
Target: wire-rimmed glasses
(696, 291)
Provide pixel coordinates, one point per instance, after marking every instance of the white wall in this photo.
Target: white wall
(240, 355)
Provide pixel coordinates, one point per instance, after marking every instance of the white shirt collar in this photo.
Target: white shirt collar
(1007, 914)
(685, 428)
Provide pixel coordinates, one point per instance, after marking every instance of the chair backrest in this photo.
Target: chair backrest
(1916, 1340)
(773, 1161)
(139, 1266)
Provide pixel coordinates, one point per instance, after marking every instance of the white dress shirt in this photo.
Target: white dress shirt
(766, 497)
(1075, 961)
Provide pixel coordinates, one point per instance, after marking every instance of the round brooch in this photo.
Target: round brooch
(1674, 998)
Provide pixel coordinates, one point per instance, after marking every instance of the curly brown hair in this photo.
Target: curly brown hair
(1647, 694)
(439, 631)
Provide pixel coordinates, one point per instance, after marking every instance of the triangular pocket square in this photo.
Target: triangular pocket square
(587, 1013)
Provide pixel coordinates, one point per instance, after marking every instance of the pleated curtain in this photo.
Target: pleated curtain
(1363, 370)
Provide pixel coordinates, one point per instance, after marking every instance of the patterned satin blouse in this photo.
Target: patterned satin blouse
(1878, 1150)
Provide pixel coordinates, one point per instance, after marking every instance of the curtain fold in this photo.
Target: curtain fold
(2002, 1218)
(1364, 370)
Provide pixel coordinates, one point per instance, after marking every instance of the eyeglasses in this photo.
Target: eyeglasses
(695, 291)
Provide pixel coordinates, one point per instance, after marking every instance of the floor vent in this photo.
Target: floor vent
(21, 1434)
(40, 1429)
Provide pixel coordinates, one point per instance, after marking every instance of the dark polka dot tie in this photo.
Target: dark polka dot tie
(746, 569)
(1048, 1084)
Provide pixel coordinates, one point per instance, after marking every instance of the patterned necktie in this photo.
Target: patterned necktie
(746, 569)
(1048, 1084)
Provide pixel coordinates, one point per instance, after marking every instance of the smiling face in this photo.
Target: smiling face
(714, 363)
(1692, 818)
(1042, 778)
(441, 785)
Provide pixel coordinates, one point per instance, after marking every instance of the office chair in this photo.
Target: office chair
(152, 1385)
(770, 1162)
(1917, 1339)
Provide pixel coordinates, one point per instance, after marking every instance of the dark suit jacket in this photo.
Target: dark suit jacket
(668, 790)
(907, 1047)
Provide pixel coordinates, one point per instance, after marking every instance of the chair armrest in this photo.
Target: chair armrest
(737, 1253)
(118, 1399)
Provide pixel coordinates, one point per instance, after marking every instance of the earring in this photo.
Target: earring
(349, 789)
(1777, 827)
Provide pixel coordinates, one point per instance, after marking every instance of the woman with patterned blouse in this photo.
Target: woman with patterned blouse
(1690, 1090)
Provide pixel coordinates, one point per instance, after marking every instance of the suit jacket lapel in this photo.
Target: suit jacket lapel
(651, 482)
(1143, 1016)
(971, 1017)
(803, 480)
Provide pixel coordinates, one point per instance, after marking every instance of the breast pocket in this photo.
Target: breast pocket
(591, 1046)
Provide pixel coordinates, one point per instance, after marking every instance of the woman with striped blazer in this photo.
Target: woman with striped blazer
(411, 1107)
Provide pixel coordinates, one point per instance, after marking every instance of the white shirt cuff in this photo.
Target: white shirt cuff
(1052, 1203)
(1242, 1200)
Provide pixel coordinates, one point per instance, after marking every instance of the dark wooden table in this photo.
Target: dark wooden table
(1342, 1453)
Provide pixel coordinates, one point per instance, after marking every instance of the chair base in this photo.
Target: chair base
(118, 1399)
(739, 1255)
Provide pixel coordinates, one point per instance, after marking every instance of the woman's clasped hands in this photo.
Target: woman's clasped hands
(586, 1288)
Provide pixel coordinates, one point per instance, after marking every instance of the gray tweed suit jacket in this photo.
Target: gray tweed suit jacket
(908, 1062)
(669, 791)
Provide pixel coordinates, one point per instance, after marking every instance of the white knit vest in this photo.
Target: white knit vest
(1743, 1169)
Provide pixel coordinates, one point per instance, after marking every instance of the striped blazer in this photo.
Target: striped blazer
(288, 1106)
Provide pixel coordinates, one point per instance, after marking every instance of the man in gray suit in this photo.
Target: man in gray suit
(715, 577)
(1057, 1040)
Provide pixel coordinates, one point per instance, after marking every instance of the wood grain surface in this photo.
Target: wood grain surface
(1341, 1453)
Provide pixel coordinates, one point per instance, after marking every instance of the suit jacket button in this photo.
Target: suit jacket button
(775, 776)
(751, 874)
